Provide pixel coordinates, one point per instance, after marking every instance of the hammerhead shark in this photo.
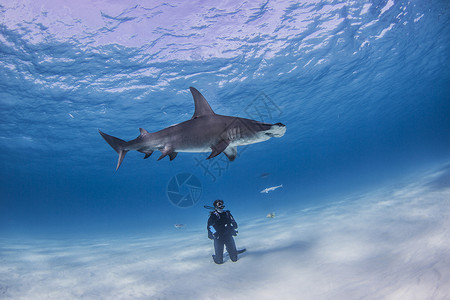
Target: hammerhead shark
(205, 131)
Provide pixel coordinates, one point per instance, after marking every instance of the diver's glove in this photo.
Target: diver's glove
(210, 235)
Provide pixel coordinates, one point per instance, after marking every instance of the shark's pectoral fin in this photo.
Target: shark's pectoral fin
(167, 150)
(230, 152)
(218, 148)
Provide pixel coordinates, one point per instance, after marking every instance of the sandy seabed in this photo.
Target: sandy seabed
(392, 243)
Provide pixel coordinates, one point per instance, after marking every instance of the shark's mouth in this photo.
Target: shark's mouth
(277, 130)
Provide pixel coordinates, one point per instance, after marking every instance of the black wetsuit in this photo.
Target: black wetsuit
(225, 228)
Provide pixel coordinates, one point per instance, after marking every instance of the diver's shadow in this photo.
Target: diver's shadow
(298, 247)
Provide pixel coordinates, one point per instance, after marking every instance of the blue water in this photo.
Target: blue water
(362, 86)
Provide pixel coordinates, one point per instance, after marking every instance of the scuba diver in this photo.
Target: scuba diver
(221, 228)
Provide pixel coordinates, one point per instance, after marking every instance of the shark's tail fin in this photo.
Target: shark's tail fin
(117, 145)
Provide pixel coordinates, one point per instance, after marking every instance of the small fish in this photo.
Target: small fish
(179, 226)
(264, 175)
(271, 215)
(266, 190)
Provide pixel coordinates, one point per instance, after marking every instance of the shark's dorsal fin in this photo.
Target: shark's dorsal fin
(202, 107)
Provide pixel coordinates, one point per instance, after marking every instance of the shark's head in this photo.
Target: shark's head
(277, 130)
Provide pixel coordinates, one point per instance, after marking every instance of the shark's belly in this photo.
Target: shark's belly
(193, 149)
(205, 145)
(192, 143)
